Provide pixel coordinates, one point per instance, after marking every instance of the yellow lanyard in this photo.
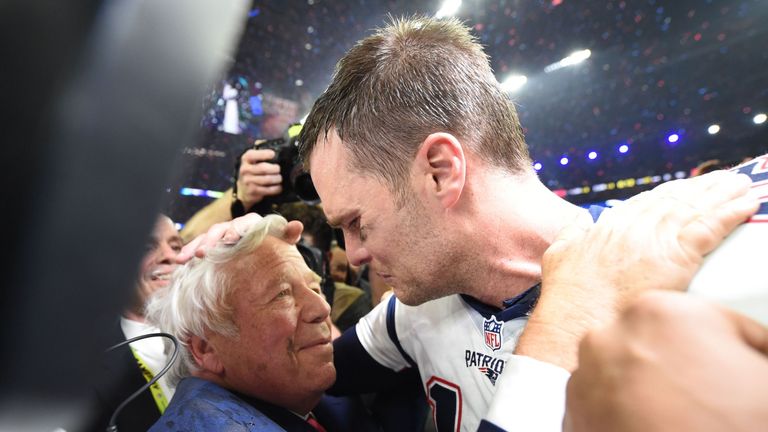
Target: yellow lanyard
(157, 393)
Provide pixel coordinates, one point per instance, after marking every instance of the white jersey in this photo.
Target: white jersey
(459, 345)
(735, 273)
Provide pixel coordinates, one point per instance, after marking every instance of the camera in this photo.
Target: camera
(297, 183)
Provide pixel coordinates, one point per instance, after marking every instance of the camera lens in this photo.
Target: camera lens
(305, 189)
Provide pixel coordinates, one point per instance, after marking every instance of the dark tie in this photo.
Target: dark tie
(313, 422)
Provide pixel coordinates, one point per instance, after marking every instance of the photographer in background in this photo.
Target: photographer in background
(267, 174)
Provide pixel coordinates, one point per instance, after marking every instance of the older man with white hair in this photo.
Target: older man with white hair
(256, 335)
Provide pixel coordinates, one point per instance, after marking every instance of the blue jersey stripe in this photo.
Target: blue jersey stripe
(392, 332)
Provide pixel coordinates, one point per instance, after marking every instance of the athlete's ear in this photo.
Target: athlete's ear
(441, 167)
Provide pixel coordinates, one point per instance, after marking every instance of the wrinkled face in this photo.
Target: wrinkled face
(158, 262)
(401, 241)
(282, 353)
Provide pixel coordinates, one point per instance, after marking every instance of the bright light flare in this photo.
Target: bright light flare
(573, 59)
(564, 161)
(513, 83)
(713, 129)
(673, 138)
(592, 155)
(448, 9)
(760, 118)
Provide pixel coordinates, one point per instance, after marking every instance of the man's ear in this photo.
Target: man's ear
(205, 355)
(440, 163)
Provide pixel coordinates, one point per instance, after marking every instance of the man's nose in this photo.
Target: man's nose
(357, 254)
(167, 253)
(314, 308)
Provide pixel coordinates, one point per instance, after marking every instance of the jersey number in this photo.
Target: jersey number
(445, 399)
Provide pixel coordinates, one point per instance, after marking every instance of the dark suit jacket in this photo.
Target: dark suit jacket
(117, 377)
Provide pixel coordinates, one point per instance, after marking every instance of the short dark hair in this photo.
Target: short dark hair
(411, 78)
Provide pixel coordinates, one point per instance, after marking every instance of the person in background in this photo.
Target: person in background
(125, 369)
(441, 195)
(257, 179)
(256, 335)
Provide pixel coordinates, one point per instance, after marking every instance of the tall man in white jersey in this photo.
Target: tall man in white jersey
(418, 156)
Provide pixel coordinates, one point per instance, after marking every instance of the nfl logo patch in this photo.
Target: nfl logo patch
(492, 332)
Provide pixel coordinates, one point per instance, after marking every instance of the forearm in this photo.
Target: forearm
(215, 212)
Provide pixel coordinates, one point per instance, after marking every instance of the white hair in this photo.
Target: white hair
(197, 299)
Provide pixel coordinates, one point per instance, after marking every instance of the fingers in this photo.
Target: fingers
(705, 233)
(700, 212)
(293, 231)
(188, 251)
(751, 332)
(254, 168)
(258, 178)
(254, 156)
(227, 232)
(570, 236)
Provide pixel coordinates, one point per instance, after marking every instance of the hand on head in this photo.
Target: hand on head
(231, 232)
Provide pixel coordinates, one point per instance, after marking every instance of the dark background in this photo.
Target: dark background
(657, 67)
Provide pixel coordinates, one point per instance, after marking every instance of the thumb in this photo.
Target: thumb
(293, 231)
(751, 332)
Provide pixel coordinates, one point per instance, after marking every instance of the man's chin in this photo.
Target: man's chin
(410, 297)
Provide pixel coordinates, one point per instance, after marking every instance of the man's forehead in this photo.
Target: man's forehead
(332, 176)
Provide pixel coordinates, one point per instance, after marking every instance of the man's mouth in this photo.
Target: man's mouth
(160, 275)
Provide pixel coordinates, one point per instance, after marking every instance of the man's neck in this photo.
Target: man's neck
(134, 316)
(517, 225)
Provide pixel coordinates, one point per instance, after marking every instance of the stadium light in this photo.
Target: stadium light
(448, 9)
(513, 83)
(573, 59)
(564, 161)
(623, 148)
(673, 138)
(592, 155)
(537, 166)
(713, 129)
(759, 118)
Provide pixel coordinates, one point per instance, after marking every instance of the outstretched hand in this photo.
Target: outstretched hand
(671, 362)
(655, 240)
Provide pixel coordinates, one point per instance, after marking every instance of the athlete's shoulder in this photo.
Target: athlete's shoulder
(757, 169)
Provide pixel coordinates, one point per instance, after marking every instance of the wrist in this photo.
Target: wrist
(560, 320)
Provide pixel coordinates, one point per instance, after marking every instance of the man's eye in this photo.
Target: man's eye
(363, 234)
(285, 292)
